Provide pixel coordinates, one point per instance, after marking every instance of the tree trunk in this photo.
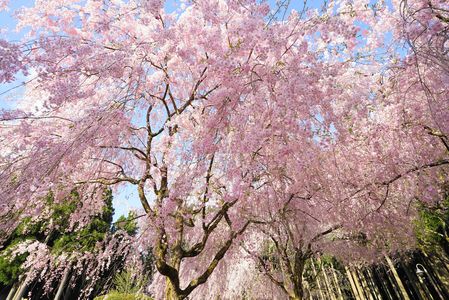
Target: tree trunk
(372, 284)
(296, 278)
(306, 290)
(337, 283)
(317, 279)
(357, 284)
(63, 283)
(12, 292)
(365, 285)
(353, 287)
(21, 290)
(326, 281)
(170, 291)
(397, 278)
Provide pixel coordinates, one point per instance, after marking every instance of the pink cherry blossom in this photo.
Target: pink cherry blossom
(231, 124)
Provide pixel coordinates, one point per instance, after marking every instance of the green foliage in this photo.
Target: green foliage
(327, 260)
(86, 238)
(10, 267)
(128, 224)
(432, 225)
(55, 232)
(61, 211)
(108, 209)
(127, 286)
(269, 255)
(128, 283)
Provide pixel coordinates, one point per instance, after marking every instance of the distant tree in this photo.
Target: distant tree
(62, 242)
(432, 226)
(127, 224)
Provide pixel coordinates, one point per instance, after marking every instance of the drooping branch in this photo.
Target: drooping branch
(136, 151)
(422, 167)
(434, 164)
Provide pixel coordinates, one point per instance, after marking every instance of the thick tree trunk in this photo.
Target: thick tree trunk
(170, 292)
(296, 278)
(298, 291)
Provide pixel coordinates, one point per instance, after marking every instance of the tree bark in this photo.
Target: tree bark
(296, 278)
(63, 282)
(21, 290)
(353, 287)
(170, 291)
(12, 291)
(337, 283)
(357, 284)
(397, 278)
(317, 279)
(326, 280)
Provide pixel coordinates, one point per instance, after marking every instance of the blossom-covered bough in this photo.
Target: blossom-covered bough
(379, 164)
(226, 119)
